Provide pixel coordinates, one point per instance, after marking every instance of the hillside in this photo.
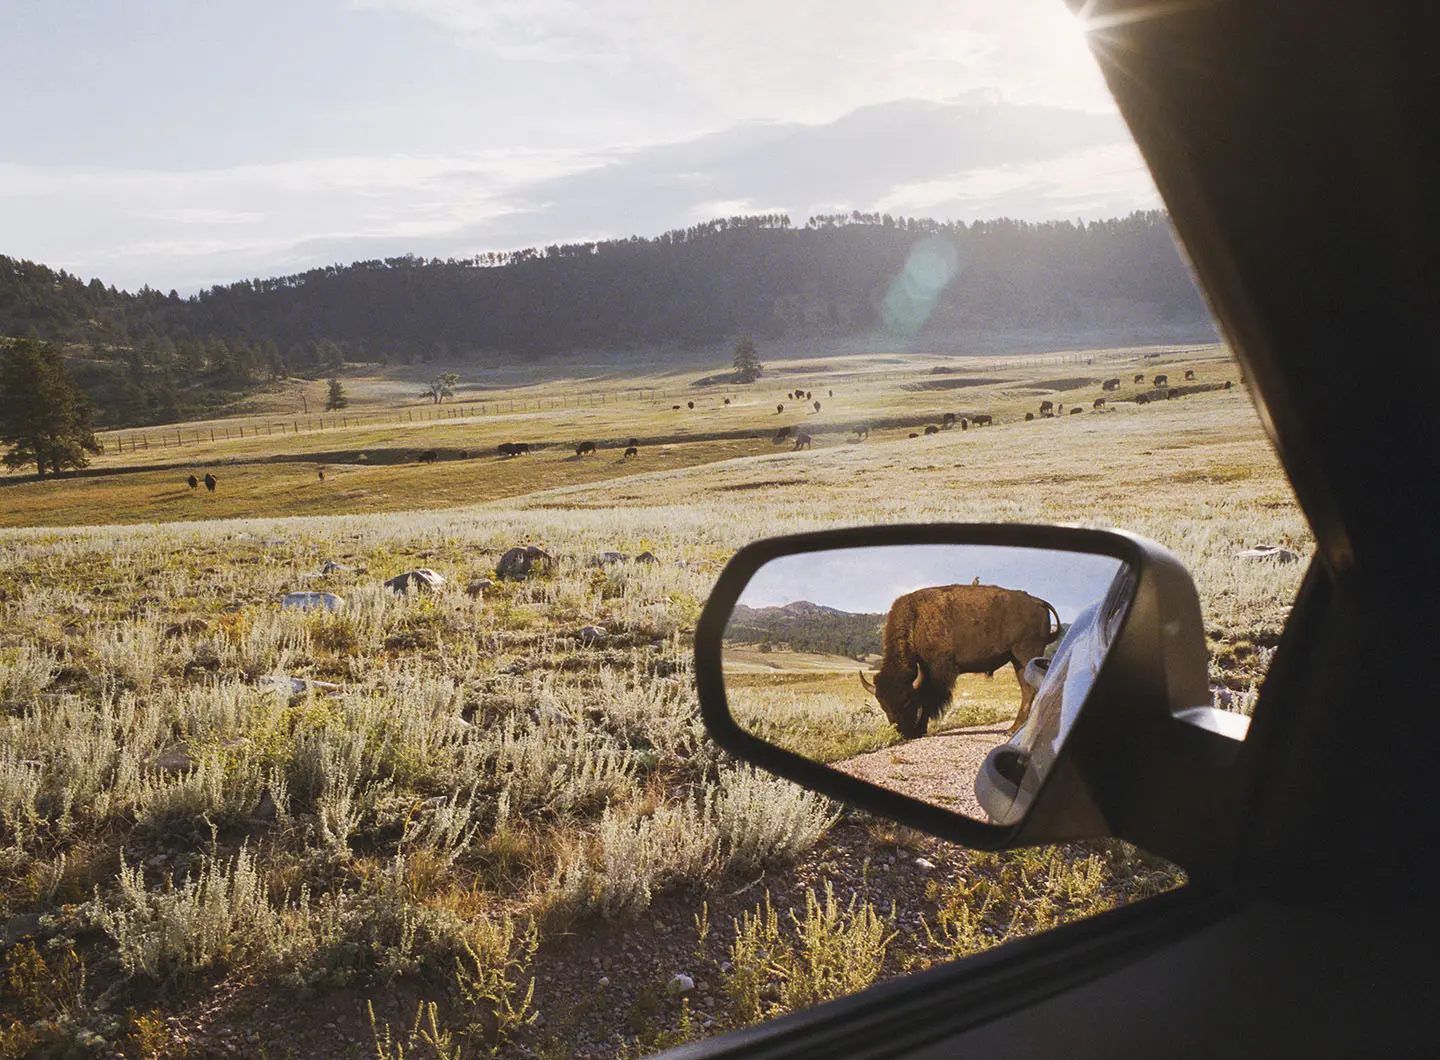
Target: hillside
(875, 280)
(804, 626)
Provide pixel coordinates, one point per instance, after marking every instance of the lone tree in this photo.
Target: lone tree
(442, 386)
(335, 398)
(44, 416)
(747, 360)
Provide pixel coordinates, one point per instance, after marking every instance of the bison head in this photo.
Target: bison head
(903, 697)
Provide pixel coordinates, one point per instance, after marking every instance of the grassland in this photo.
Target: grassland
(506, 834)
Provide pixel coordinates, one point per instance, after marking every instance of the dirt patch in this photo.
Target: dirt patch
(938, 769)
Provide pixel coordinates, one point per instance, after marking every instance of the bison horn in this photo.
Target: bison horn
(868, 686)
(919, 677)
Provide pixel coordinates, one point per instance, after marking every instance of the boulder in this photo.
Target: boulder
(312, 601)
(421, 579)
(522, 561)
(593, 634)
(1275, 552)
(477, 586)
(647, 557)
(605, 559)
(331, 567)
(679, 985)
(293, 686)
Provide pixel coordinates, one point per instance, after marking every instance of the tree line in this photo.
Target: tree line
(148, 357)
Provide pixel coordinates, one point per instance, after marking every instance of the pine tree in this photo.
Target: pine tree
(335, 398)
(45, 418)
(747, 360)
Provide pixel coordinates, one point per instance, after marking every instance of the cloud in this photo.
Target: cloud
(973, 157)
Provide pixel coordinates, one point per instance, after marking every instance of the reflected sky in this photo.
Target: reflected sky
(869, 579)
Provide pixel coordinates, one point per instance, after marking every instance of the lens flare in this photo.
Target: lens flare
(932, 264)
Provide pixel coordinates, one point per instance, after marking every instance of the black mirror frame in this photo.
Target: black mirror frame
(1130, 767)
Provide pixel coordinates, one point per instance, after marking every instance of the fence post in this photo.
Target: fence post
(179, 441)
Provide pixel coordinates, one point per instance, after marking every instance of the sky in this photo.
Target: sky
(180, 144)
(867, 580)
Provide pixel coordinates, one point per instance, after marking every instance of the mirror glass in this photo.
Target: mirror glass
(950, 673)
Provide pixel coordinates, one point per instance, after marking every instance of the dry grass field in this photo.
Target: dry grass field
(470, 826)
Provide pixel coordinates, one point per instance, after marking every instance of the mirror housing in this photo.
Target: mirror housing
(1140, 762)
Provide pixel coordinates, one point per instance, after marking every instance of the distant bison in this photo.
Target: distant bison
(802, 441)
(808, 395)
(727, 401)
(1047, 407)
(982, 419)
(1189, 373)
(210, 481)
(1139, 377)
(321, 473)
(1227, 384)
(513, 448)
(934, 635)
(631, 451)
(862, 431)
(1076, 410)
(691, 404)
(429, 456)
(932, 429)
(831, 393)
(1098, 403)
(779, 409)
(914, 435)
(964, 424)
(1161, 380)
(1029, 416)
(947, 420)
(1111, 384)
(817, 406)
(674, 408)
(584, 447)
(193, 482)
(780, 435)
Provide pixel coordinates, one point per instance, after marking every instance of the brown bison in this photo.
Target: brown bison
(1098, 403)
(690, 404)
(779, 409)
(817, 406)
(1076, 410)
(934, 635)
(513, 448)
(727, 401)
(631, 451)
(1161, 380)
(862, 431)
(982, 419)
(932, 429)
(802, 441)
(193, 482)
(1029, 416)
(1189, 373)
(964, 424)
(1111, 384)
(914, 435)
(584, 447)
(321, 473)
(1139, 377)
(947, 420)
(1227, 384)
(674, 408)
(210, 481)
(808, 395)
(1047, 407)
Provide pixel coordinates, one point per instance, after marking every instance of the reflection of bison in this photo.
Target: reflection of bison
(429, 456)
(934, 635)
(802, 441)
(780, 435)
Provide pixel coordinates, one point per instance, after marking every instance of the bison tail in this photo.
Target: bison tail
(1056, 631)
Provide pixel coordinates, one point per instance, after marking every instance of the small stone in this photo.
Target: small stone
(679, 985)
(593, 634)
(604, 980)
(924, 864)
(476, 587)
(647, 557)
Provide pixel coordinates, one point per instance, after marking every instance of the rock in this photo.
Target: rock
(266, 810)
(191, 627)
(312, 601)
(604, 980)
(177, 759)
(679, 985)
(293, 686)
(1275, 552)
(18, 926)
(478, 586)
(924, 864)
(1223, 696)
(421, 579)
(522, 561)
(593, 634)
(331, 567)
(647, 557)
(605, 559)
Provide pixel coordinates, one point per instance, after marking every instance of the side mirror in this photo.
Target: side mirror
(997, 685)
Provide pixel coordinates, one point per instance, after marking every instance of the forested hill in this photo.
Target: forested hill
(842, 276)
